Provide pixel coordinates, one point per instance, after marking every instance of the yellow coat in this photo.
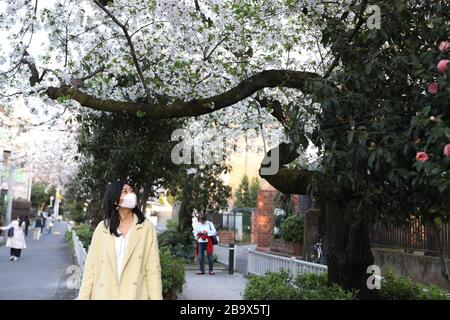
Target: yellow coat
(141, 272)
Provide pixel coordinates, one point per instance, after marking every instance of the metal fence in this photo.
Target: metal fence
(415, 236)
(80, 251)
(260, 263)
(222, 251)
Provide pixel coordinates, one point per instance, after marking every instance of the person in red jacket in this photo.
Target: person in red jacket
(203, 231)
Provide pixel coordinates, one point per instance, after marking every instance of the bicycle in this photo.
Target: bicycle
(315, 253)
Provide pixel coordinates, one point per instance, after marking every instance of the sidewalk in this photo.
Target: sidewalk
(39, 274)
(221, 286)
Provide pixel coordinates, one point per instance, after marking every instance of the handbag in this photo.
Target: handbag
(11, 232)
(214, 238)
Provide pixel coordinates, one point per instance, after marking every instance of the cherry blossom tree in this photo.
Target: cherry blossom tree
(317, 70)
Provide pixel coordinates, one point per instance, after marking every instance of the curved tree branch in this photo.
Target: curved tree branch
(275, 105)
(196, 107)
(291, 181)
(34, 78)
(287, 180)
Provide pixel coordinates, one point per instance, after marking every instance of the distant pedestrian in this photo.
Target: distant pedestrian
(37, 228)
(27, 225)
(16, 238)
(203, 231)
(44, 221)
(50, 224)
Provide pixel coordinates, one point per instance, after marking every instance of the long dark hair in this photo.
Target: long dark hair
(21, 220)
(111, 208)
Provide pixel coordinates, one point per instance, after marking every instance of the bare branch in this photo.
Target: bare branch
(78, 82)
(24, 51)
(215, 47)
(204, 18)
(130, 44)
(144, 26)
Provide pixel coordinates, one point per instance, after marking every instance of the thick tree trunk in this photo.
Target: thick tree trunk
(345, 233)
(347, 245)
(185, 215)
(445, 273)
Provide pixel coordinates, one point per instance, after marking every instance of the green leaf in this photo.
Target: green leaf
(447, 132)
(141, 114)
(369, 68)
(403, 172)
(426, 110)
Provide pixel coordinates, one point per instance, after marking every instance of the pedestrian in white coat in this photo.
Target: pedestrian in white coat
(17, 241)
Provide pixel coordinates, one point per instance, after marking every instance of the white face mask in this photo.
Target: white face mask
(129, 201)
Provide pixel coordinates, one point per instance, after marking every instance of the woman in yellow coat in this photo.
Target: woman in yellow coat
(123, 258)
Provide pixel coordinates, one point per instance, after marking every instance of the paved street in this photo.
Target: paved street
(221, 286)
(39, 274)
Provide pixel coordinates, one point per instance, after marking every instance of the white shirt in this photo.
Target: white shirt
(121, 246)
(199, 228)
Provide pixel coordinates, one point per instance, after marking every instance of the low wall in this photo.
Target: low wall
(287, 247)
(419, 268)
(225, 236)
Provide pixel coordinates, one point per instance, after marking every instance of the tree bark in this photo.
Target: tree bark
(195, 107)
(347, 246)
(287, 180)
(445, 273)
(185, 215)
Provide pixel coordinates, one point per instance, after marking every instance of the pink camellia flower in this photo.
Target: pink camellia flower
(444, 46)
(443, 65)
(447, 150)
(421, 156)
(433, 87)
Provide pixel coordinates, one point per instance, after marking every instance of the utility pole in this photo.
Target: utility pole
(30, 183)
(56, 208)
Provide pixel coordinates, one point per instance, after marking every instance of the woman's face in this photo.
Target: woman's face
(125, 190)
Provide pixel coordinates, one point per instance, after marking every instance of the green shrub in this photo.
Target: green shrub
(78, 216)
(84, 233)
(172, 224)
(310, 286)
(283, 286)
(271, 286)
(402, 288)
(313, 286)
(68, 236)
(292, 228)
(172, 274)
(180, 244)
